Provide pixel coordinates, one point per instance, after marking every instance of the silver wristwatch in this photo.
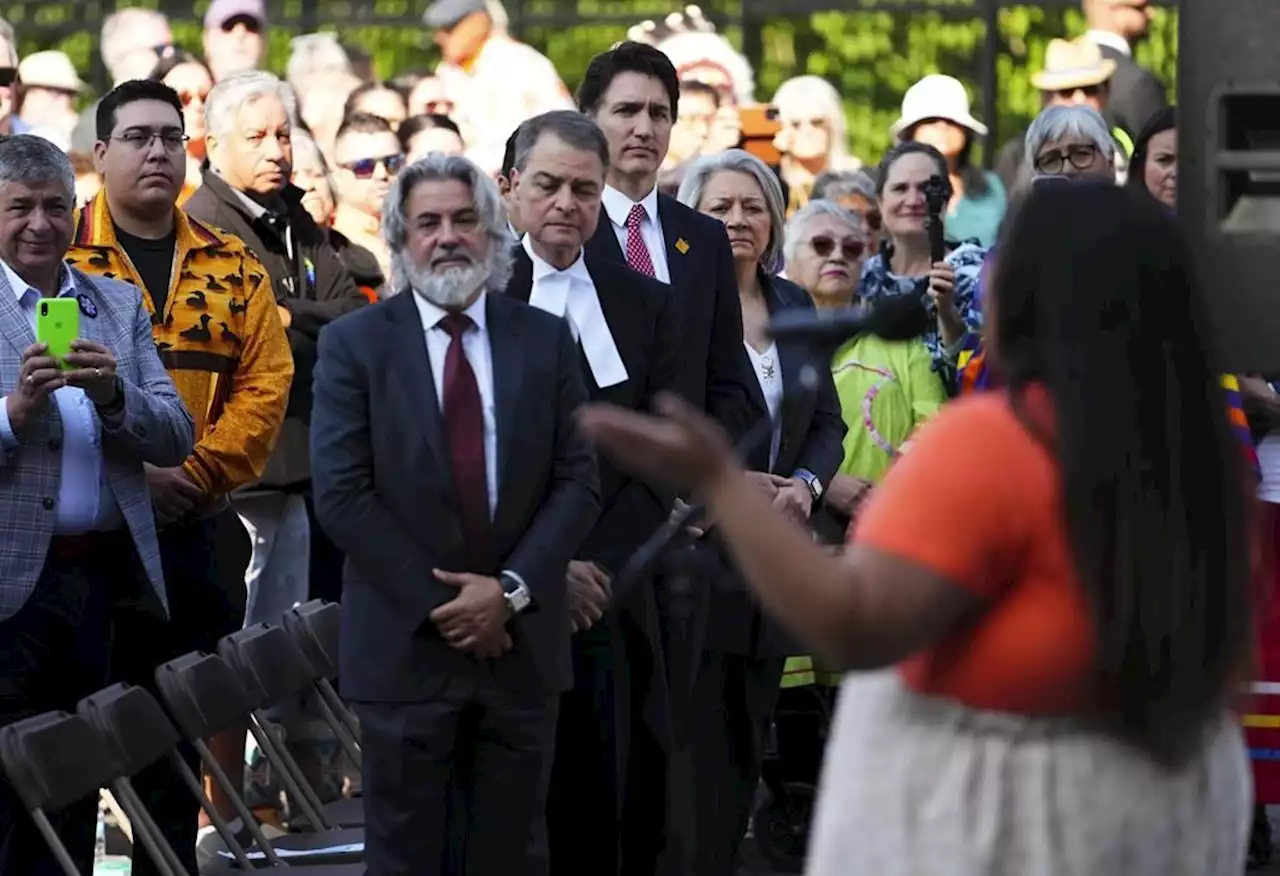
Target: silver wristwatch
(813, 482)
(515, 591)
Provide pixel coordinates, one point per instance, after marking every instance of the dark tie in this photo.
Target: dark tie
(464, 428)
(638, 258)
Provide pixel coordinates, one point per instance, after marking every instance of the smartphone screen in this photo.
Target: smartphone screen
(57, 325)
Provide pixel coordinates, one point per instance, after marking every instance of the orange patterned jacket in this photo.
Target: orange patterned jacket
(220, 337)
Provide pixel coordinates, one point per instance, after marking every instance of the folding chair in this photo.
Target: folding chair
(57, 759)
(138, 733)
(316, 628)
(272, 670)
(204, 697)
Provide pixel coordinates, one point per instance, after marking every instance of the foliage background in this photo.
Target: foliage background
(872, 50)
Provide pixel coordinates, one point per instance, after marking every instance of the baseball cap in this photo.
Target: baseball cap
(222, 11)
(444, 14)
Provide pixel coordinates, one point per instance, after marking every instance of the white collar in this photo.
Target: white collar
(20, 286)
(542, 268)
(431, 314)
(571, 294)
(1111, 41)
(618, 205)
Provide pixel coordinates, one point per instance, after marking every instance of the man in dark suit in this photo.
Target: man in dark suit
(632, 93)
(1135, 94)
(629, 336)
(448, 468)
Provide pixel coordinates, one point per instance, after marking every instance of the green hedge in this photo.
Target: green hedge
(871, 56)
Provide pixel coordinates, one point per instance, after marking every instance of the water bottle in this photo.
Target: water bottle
(100, 836)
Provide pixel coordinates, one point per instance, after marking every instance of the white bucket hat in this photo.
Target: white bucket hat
(52, 70)
(937, 97)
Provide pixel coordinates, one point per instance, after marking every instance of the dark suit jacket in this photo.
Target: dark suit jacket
(714, 375)
(384, 494)
(812, 437)
(644, 321)
(1136, 94)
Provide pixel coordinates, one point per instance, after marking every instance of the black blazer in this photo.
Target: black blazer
(645, 324)
(1136, 94)
(812, 437)
(714, 375)
(384, 494)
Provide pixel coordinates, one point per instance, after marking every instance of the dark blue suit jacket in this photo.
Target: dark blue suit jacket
(384, 493)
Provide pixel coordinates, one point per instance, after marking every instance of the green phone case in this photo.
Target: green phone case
(57, 325)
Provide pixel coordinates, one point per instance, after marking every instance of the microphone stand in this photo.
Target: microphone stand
(666, 537)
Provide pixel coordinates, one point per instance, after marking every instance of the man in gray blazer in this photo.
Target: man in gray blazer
(79, 548)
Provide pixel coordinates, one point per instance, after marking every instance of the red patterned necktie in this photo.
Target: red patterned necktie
(464, 430)
(637, 253)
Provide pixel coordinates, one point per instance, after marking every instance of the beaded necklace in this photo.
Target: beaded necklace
(868, 400)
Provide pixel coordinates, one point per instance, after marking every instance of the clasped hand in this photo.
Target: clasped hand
(474, 621)
(94, 372)
(791, 496)
(590, 589)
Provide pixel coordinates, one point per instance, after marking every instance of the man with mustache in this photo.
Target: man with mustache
(448, 467)
(220, 338)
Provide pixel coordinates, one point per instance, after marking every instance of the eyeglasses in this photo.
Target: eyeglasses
(364, 168)
(174, 141)
(1079, 156)
(850, 249)
(8, 75)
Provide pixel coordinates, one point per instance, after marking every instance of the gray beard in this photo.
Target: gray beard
(449, 288)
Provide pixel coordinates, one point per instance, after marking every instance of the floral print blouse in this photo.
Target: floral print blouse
(966, 260)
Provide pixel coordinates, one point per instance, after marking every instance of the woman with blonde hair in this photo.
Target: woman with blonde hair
(813, 135)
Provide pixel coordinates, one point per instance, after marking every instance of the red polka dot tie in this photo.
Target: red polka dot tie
(637, 253)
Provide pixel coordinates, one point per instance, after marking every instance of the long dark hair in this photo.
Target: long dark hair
(1165, 120)
(1095, 301)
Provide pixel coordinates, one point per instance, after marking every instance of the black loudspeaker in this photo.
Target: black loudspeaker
(1229, 171)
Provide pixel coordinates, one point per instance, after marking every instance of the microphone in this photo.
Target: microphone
(897, 318)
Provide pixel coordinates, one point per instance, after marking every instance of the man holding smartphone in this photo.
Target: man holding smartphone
(79, 544)
(220, 337)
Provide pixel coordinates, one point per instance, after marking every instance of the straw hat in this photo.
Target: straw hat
(1075, 64)
(52, 70)
(937, 97)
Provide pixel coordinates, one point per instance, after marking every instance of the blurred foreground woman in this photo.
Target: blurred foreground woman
(1054, 580)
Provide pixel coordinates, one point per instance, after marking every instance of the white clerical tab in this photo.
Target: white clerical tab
(571, 294)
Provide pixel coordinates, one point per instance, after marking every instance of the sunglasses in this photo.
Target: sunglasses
(1086, 90)
(364, 168)
(8, 75)
(850, 249)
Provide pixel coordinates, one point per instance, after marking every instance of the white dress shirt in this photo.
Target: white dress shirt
(571, 294)
(768, 368)
(86, 501)
(618, 206)
(1111, 41)
(475, 345)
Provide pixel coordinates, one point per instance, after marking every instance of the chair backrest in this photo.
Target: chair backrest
(316, 628)
(270, 665)
(203, 694)
(133, 725)
(55, 759)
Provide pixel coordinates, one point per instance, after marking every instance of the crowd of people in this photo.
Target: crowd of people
(449, 348)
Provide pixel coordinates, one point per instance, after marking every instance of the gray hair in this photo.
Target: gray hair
(34, 161)
(484, 196)
(573, 128)
(1060, 122)
(306, 148)
(117, 37)
(739, 161)
(315, 54)
(831, 185)
(814, 210)
(228, 96)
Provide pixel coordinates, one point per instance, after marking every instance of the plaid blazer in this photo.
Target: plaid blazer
(156, 428)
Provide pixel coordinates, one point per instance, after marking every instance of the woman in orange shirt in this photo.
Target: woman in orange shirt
(1055, 579)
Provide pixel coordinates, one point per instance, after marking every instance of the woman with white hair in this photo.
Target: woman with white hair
(743, 652)
(1070, 141)
(812, 138)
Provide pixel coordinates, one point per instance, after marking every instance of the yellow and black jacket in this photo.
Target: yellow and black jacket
(220, 337)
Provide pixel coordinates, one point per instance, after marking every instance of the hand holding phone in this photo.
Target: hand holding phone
(37, 379)
(57, 325)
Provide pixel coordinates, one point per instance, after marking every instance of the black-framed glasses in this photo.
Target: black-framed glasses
(364, 168)
(851, 249)
(1079, 156)
(174, 141)
(8, 76)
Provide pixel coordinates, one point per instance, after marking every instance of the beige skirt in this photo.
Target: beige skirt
(919, 785)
